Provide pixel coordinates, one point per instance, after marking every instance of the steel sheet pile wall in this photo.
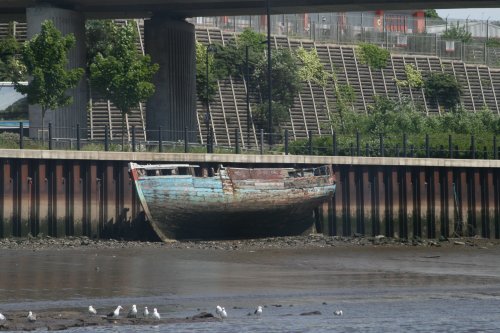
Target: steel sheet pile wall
(409, 202)
(66, 197)
(96, 198)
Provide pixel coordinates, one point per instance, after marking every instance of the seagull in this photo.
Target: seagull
(223, 314)
(155, 314)
(258, 311)
(2, 317)
(115, 313)
(133, 312)
(338, 312)
(92, 311)
(31, 317)
(218, 310)
(146, 312)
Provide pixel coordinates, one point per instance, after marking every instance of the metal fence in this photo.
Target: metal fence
(408, 35)
(440, 145)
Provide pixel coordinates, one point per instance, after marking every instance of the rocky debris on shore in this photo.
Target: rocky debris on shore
(61, 320)
(288, 242)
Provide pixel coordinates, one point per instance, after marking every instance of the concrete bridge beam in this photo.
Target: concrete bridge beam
(64, 120)
(171, 44)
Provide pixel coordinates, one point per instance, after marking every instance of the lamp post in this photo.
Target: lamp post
(210, 48)
(269, 66)
(247, 74)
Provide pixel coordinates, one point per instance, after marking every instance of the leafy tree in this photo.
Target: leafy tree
(444, 89)
(493, 42)
(372, 55)
(458, 33)
(201, 74)
(285, 82)
(345, 120)
(414, 78)
(45, 60)
(312, 69)
(99, 36)
(9, 66)
(231, 59)
(432, 14)
(121, 74)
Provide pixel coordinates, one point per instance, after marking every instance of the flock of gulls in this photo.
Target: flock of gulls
(219, 310)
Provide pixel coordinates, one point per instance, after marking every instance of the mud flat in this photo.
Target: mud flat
(292, 242)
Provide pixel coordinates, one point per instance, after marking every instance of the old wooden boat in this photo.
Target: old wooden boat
(183, 201)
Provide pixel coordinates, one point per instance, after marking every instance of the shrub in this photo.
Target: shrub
(372, 55)
(444, 89)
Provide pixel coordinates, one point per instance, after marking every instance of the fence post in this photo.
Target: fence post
(50, 136)
(334, 142)
(21, 136)
(427, 146)
(160, 143)
(310, 142)
(186, 145)
(412, 151)
(261, 139)
(286, 141)
(450, 146)
(381, 139)
(133, 138)
(106, 134)
(78, 141)
(485, 153)
(367, 150)
(211, 140)
(473, 147)
(237, 140)
(495, 151)
(358, 144)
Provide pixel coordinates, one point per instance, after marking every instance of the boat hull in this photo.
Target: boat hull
(232, 205)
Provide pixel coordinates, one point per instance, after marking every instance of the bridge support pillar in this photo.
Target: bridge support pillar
(64, 120)
(171, 44)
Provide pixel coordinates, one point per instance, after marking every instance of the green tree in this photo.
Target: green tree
(457, 33)
(285, 85)
(311, 68)
(201, 74)
(444, 89)
(9, 48)
(122, 75)
(45, 58)
(372, 55)
(432, 14)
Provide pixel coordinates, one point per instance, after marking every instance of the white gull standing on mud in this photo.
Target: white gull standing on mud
(2, 317)
(155, 314)
(146, 312)
(31, 317)
(133, 312)
(258, 311)
(92, 311)
(115, 313)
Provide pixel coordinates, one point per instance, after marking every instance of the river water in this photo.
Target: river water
(393, 289)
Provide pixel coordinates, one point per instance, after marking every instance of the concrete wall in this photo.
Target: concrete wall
(171, 44)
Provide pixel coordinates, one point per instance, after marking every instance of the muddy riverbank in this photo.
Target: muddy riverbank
(293, 242)
(377, 277)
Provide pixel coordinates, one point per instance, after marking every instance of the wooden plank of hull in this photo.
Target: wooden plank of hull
(195, 207)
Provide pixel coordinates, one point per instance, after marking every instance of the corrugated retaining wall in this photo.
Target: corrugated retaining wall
(61, 193)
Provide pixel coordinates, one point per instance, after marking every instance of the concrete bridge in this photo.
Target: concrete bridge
(170, 41)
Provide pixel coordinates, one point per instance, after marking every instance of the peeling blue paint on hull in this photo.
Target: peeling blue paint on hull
(234, 203)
